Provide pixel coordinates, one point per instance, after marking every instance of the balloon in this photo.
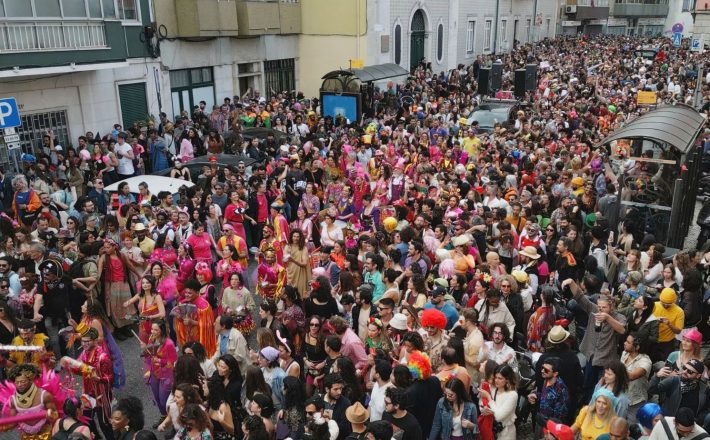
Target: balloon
(390, 223)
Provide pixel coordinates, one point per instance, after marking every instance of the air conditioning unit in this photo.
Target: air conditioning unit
(571, 9)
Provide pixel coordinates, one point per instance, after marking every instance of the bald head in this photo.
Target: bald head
(619, 429)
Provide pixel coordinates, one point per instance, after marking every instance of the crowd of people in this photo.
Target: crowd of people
(412, 276)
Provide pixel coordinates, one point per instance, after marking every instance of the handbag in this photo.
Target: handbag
(282, 430)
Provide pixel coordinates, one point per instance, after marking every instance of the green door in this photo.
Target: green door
(416, 43)
(134, 103)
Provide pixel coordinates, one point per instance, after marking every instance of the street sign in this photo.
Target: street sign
(9, 113)
(9, 138)
(678, 27)
(677, 36)
(696, 44)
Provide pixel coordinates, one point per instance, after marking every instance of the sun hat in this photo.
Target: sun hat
(530, 252)
(668, 296)
(357, 413)
(557, 335)
(520, 276)
(461, 240)
(399, 322)
(139, 227)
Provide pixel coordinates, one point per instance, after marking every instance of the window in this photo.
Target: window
(127, 9)
(527, 30)
(687, 4)
(73, 8)
(547, 28)
(470, 36)
(487, 35)
(279, 75)
(47, 8)
(397, 44)
(440, 43)
(35, 125)
(190, 86)
(18, 8)
(504, 30)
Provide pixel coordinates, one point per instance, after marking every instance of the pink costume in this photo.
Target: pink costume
(186, 270)
(201, 247)
(30, 429)
(270, 281)
(233, 267)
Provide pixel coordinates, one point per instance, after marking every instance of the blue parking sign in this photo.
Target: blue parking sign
(677, 36)
(9, 113)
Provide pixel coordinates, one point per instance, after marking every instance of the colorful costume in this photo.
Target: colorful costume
(117, 291)
(158, 365)
(94, 366)
(203, 331)
(186, 270)
(270, 280)
(32, 357)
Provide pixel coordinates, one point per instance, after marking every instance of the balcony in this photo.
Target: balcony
(198, 18)
(268, 17)
(640, 9)
(44, 36)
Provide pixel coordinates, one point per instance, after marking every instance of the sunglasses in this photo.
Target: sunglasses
(314, 324)
(689, 370)
(546, 370)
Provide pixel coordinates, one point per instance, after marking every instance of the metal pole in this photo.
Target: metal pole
(495, 43)
(673, 232)
(698, 87)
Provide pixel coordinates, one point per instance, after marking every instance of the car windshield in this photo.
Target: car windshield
(488, 118)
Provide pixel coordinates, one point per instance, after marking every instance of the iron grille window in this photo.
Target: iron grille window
(36, 125)
(279, 75)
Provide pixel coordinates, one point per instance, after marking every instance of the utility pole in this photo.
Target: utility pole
(698, 95)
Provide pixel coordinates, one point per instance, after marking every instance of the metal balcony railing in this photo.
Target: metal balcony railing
(40, 36)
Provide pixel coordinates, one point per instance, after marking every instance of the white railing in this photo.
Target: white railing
(48, 36)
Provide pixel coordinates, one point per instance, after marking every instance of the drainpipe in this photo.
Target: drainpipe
(495, 43)
(531, 31)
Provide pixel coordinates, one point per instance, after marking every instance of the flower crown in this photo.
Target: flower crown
(376, 321)
(486, 278)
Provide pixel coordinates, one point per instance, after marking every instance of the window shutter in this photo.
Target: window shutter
(134, 104)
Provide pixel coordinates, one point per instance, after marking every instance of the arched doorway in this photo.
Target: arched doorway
(416, 44)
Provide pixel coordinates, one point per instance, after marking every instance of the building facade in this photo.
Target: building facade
(76, 65)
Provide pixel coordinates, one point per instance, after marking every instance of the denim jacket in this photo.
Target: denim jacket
(443, 423)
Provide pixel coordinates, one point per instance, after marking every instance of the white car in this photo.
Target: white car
(156, 184)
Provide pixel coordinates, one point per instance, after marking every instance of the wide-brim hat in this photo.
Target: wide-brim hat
(139, 227)
(557, 335)
(530, 252)
(461, 240)
(357, 413)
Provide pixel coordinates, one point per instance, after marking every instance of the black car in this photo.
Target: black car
(494, 111)
(223, 160)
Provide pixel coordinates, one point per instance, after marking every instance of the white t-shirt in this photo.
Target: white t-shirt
(377, 401)
(125, 165)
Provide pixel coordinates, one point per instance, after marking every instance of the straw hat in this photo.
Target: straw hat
(357, 413)
(530, 252)
(557, 335)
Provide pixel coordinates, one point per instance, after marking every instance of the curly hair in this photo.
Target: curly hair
(132, 408)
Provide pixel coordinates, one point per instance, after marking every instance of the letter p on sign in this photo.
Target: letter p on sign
(9, 113)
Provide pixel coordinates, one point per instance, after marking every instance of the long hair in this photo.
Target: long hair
(234, 373)
(621, 383)
(153, 285)
(195, 413)
(347, 371)
(254, 382)
(94, 309)
(295, 394)
(592, 411)
(187, 370)
(456, 386)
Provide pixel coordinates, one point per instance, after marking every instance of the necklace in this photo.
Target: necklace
(25, 400)
(595, 425)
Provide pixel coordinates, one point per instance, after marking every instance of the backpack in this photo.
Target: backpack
(63, 434)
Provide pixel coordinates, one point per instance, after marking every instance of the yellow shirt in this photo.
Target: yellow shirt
(675, 316)
(587, 429)
(33, 357)
(471, 146)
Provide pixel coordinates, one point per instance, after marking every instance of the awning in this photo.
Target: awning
(677, 126)
(371, 73)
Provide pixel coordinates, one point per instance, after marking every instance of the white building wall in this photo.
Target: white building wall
(435, 12)
(90, 98)
(379, 25)
(677, 15)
